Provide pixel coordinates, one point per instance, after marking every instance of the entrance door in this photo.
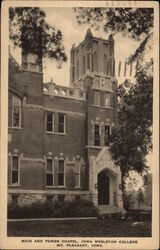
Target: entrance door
(103, 189)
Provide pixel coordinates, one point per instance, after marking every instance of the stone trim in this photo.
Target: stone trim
(33, 159)
(94, 147)
(63, 111)
(102, 107)
(65, 192)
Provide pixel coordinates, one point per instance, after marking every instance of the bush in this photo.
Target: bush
(80, 208)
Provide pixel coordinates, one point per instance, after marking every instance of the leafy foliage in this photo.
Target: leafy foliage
(136, 23)
(29, 30)
(80, 208)
(132, 139)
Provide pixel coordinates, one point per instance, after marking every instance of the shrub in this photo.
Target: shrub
(80, 208)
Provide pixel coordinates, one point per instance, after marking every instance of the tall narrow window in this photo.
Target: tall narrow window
(77, 174)
(97, 135)
(49, 172)
(77, 69)
(15, 170)
(61, 123)
(107, 100)
(106, 135)
(105, 64)
(84, 64)
(94, 62)
(16, 112)
(50, 119)
(61, 172)
(96, 98)
(88, 61)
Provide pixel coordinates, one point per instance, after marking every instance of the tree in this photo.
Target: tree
(131, 141)
(29, 30)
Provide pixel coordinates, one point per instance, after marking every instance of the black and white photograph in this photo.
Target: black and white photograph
(79, 133)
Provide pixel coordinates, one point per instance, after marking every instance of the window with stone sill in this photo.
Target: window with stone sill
(77, 174)
(61, 123)
(50, 122)
(106, 135)
(49, 172)
(15, 170)
(96, 134)
(15, 111)
(60, 172)
(96, 97)
(107, 100)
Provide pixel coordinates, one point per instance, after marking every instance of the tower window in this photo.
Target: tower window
(106, 135)
(50, 119)
(15, 169)
(96, 98)
(107, 100)
(49, 172)
(61, 123)
(97, 135)
(61, 173)
(88, 61)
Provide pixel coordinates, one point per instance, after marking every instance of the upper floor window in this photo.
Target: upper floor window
(77, 69)
(94, 62)
(49, 172)
(61, 172)
(97, 135)
(50, 122)
(96, 98)
(15, 170)
(107, 100)
(84, 64)
(16, 112)
(106, 135)
(61, 123)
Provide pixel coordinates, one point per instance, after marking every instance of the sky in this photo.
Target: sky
(73, 33)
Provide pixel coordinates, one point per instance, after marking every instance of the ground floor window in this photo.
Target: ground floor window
(49, 172)
(61, 172)
(15, 170)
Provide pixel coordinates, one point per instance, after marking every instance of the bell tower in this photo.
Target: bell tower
(93, 56)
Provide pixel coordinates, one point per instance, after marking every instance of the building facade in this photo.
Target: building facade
(58, 137)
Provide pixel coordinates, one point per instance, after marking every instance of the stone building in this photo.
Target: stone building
(58, 137)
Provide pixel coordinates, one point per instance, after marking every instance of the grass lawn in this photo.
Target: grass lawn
(79, 228)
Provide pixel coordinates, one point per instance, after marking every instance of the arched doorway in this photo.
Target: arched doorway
(103, 188)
